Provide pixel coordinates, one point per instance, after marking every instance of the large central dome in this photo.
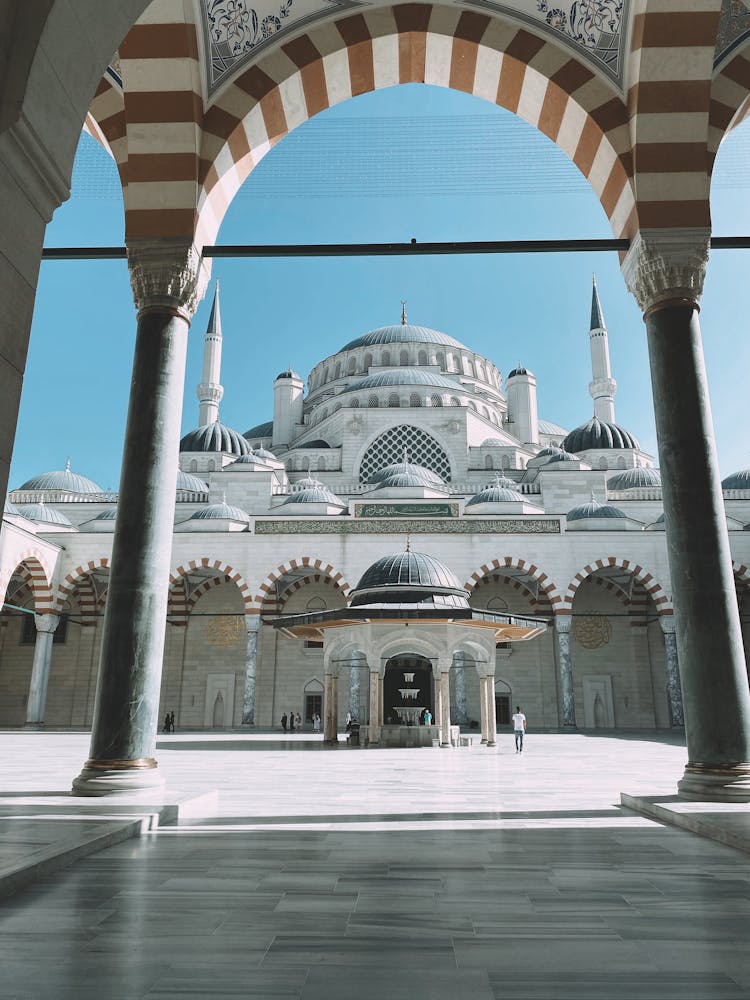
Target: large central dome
(402, 333)
(409, 578)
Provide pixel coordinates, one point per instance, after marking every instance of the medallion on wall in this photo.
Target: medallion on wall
(224, 631)
(592, 631)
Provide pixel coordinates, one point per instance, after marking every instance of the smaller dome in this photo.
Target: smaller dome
(737, 481)
(409, 578)
(190, 484)
(264, 456)
(596, 433)
(260, 430)
(518, 370)
(306, 483)
(593, 509)
(564, 456)
(10, 508)
(289, 373)
(107, 515)
(250, 459)
(635, 479)
(551, 450)
(63, 481)
(317, 493)
(503, 482)
(215, 437)
(220, 512)
(547, 427)
(41, 512)
(426, 476)
(495, 494)
(494, 443)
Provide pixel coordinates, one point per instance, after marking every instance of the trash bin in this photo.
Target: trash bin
(354, 735)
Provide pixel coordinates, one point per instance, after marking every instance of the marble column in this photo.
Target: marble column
(168, 280)
(252, 627)
(331, 708)
(375, 707)
(355, 683)
(665, 272)
(442, 675)
(484, 722)
(674, 687)
(563, 625)
(459, 689)
(45, 631)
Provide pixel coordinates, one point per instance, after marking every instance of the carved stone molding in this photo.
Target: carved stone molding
(46, 623)
(563, 623)
(666, 265)
(25, 157)
(168, 275)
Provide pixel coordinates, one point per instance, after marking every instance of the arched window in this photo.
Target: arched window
(316, 604)
(454, 401)
(385, 358)
(305, 464)
(368, 361)
(324, 413)
(193, 465)
(355, 404)
(602, 463)
(393, 400)
(473, 405)
(488, 461)
(337, 373)
(505, 461)
(414, 400)
(321, 464)
(441, 360)
(211, 465)
(620, 462)
(480, 371)
(497, 604)
(421, 448)
(373, 402)
(325, 376)
(422, 358)
(404, 358)
(352, 365)
(436, 400)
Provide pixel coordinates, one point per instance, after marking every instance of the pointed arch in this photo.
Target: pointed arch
(208, 573)
(642, 576)
(495, 568)
(295, 572)
(79, 579)
(31, 565)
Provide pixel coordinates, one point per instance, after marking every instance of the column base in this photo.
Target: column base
(491, 743)
(715, 782)
(129, 778)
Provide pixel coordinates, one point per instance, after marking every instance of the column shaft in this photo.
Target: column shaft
(674, 687)
(331, 711)
(459, 689)
(565, 667)
(127, 698)
(45, 630)
(709, 641)
(445, 708)
(354, 690)
(484, 723)
(374, 725)
(252, 624)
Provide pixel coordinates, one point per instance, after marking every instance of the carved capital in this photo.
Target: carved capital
(563, 623)
(169, 275)
(666, 266)
(667, 624)
(46, 623)
(252, 623)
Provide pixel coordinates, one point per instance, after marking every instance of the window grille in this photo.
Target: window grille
(436, 400)
(388, 449)
(415, 400)
(393, 400)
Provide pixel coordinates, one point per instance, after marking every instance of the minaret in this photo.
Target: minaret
(210, 390)
(288, 393)
(602, 386)
(520, 388)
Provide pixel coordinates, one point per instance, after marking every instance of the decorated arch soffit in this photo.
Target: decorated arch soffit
(733, 30)
(235, 32)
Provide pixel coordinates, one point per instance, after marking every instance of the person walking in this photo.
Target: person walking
(171, 720)
(291, 722)
(298, 722)
(519, 728)
(283, 721)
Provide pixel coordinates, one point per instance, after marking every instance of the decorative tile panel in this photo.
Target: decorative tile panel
(406, 510)
(734, 28)
(413, 526)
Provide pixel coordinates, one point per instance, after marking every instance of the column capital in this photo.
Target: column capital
(563, 623)
(168, 275)
(667, 624)
(666, 266)
(252, 623)
(441, 665)
(46, 623)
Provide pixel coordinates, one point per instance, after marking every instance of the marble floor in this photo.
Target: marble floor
(389, 874)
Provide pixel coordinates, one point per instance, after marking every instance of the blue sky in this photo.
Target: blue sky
(413, 161)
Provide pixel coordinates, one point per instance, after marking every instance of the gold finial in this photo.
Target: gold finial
(403, 312)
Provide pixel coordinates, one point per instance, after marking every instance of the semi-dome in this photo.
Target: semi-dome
(737, 481)
(190, 484)
(426, 476)
(635, 479)
(44, 514)
(596, 433)
(494, 443)
(315, 493)
(264, 430)
(317, 443)
(62, 480)
(220, 512)
(402, 333)
(215, 437)
(409, 578)
(402, 376)
(594, 509)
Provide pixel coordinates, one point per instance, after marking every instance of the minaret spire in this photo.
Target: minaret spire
(403, 312)
(602, 386)
(210, 389)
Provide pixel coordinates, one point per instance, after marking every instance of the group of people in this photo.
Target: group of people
(293, 722)
(169, 722)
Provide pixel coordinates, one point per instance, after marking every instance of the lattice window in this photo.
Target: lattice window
(436, 401)
(373, 402)
(421, 449)
(415, 399)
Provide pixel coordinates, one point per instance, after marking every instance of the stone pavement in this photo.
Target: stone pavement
(394, 874)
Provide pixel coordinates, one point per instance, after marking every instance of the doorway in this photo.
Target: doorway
(407, 690)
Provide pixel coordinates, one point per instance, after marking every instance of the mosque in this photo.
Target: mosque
(405, 535)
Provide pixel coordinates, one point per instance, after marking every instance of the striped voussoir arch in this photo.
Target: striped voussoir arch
(318, 569)
(444, 46)
(30, 566)
(181, 600)
(730, 99)
(495, 568)
(653, 590)
(669, 111)
(78, 580)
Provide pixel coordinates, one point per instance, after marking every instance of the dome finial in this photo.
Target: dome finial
(67, 464)
(403, 312)
(408, 543)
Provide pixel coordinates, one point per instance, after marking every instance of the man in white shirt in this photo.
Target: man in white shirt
(519, 728)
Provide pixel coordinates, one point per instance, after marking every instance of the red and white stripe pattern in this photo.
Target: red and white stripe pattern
(266, 599)
(31, 565)
(180, 604)
(78, 580)
(643, 577)
(543, 582)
